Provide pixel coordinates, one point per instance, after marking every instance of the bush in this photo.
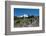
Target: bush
(18, 21)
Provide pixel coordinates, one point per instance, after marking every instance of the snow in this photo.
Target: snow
(25, 15)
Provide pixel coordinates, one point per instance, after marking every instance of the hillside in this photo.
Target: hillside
(30, 21)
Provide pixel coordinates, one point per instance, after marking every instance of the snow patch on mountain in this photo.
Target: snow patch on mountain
(25, 15)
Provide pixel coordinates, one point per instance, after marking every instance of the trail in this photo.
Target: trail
(34, 23)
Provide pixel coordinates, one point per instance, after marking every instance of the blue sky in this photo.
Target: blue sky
(22, 11)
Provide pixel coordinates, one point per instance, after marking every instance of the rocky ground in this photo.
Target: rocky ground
(27, 22)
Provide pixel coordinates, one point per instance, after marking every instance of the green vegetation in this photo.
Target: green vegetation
(25, 21)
